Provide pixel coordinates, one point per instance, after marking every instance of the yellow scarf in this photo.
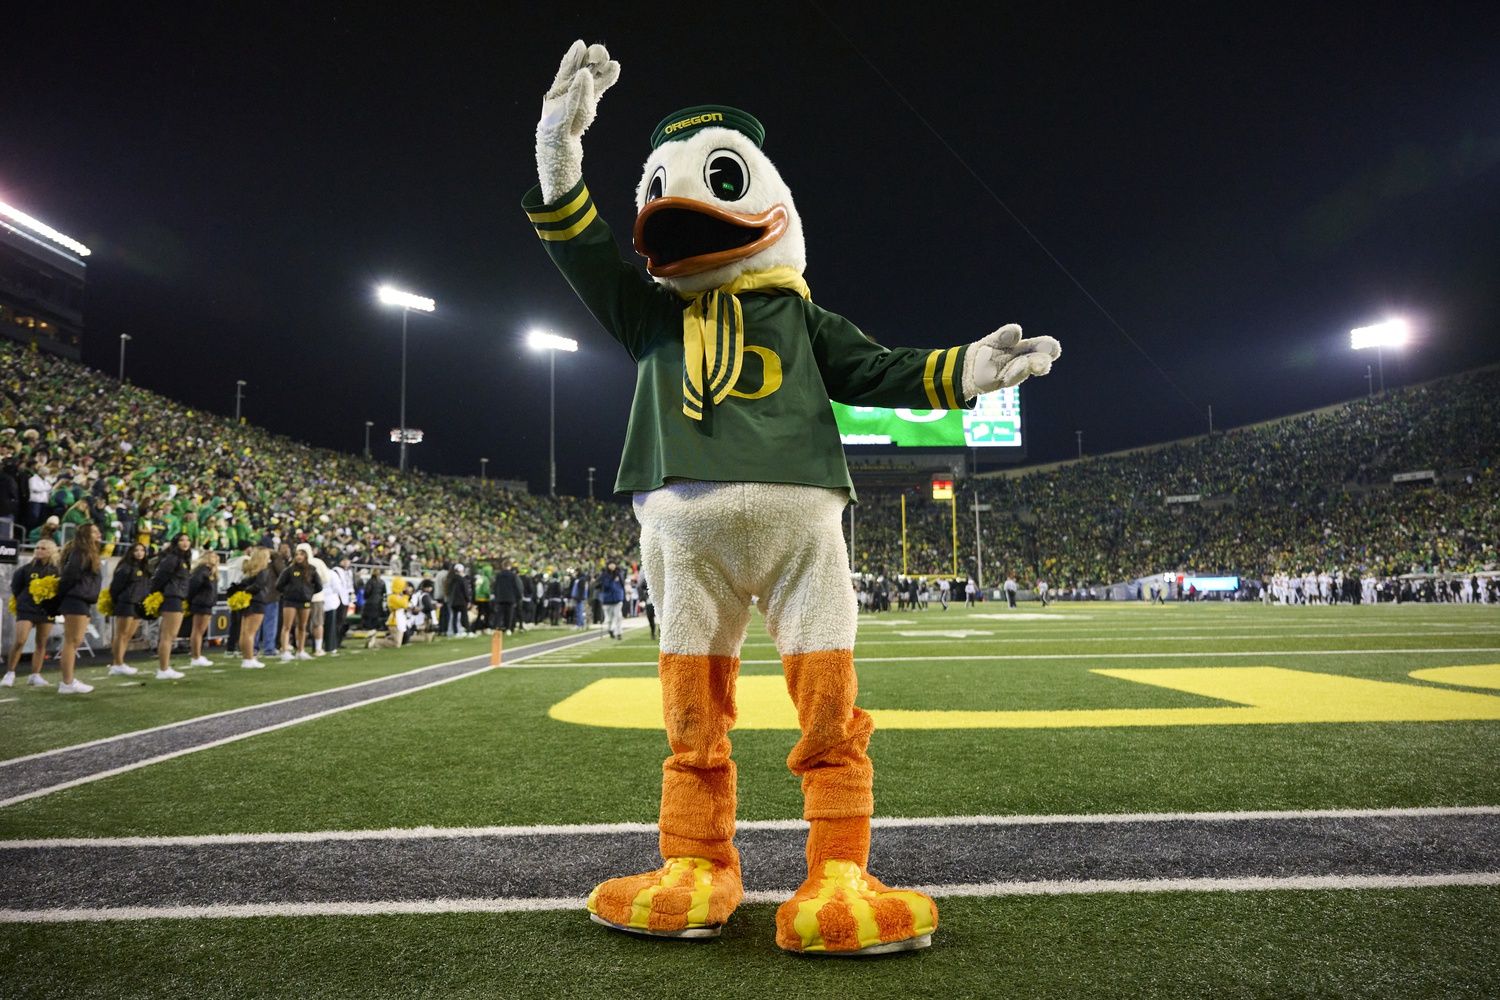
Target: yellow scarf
(713, 336)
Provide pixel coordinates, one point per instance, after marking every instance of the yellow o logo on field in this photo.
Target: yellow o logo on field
(1256, 696)
(1479, 675)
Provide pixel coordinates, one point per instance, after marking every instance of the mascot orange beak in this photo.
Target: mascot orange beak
(680, 236)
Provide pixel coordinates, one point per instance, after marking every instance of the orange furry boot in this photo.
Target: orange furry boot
(698, 887)
(688, 897)
(844, 910)
(841, 909)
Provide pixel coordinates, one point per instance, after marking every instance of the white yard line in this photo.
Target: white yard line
(233, 711)
(525, 905)
(509, 658)
(299, 720)
(585, 829)
(1268, 628)
(969, 657)
(1000, 636)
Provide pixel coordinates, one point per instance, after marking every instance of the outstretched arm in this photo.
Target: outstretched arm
(568, 110)
(859, 372)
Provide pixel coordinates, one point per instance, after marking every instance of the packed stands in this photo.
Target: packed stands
(145, 465)
(1307, 492)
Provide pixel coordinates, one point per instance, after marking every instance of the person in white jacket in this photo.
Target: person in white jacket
(38, 496)
(319, 601)
(338, 594)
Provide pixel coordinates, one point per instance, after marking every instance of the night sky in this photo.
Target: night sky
(1221, 196)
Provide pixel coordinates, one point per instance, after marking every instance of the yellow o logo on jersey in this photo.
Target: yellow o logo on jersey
(770, 373)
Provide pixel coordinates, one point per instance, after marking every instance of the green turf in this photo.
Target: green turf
(1405, 944)
(39, 719)
(482, 751)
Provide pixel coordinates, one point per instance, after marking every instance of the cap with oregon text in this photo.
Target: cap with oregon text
(681, 124)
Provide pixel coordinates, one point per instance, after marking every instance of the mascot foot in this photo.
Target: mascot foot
(685, 898)
(842, 910)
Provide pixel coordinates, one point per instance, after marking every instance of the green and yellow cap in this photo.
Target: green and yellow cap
(681, 124)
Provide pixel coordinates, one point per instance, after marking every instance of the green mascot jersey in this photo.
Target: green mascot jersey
(776, 424)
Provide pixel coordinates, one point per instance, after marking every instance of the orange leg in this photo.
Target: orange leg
(699, 885)
(841, 908)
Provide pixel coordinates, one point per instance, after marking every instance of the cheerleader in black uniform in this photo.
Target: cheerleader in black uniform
(127, 588)
(171, 581)
(258, 581)
(298, 583)
(202, 595)
(31, 616)
(77, 590)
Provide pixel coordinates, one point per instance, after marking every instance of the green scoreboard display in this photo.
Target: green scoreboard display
(995, 422)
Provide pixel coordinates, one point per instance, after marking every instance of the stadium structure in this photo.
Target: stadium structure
(42, 273)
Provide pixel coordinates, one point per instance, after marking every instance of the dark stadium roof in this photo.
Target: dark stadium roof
(1199, 202)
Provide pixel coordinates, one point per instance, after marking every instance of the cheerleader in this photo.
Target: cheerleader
(257, 581)
(127, 588)
(31, 615)
(298, 583)
(171, 581)
(202, 595)
(77, 590)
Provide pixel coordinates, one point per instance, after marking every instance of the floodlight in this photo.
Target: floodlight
(406, 300)
(42, 229)
(539, 340)
(1391, 333)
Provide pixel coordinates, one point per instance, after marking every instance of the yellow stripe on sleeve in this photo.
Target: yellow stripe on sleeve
(554, 235)
(948, 362)
(927, 374)
(561, 213)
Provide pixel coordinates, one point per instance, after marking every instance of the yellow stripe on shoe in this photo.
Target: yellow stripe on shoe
(676, 872)
(688, 897)
(844, 885)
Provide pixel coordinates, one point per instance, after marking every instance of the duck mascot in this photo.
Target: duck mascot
(739, 482)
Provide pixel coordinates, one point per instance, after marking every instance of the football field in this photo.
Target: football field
(1105, 800)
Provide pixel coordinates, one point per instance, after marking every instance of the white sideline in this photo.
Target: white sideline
(1052, 656)
(523, 905)
(232, 711)
(97, 776)
(585, 829)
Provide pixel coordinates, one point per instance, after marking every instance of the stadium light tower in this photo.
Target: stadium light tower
(540, 340)
(407, 301)
(1391, 333)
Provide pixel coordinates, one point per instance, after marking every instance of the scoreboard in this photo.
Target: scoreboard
(995, 422)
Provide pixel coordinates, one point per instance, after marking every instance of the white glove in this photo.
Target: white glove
(1003, 359)
(568, 109)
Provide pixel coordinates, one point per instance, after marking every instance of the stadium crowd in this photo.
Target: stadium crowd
(307, 543)
(78, 446)
(1306, 494)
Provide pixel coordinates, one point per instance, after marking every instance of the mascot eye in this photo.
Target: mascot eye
(726, 175)
(658, 184)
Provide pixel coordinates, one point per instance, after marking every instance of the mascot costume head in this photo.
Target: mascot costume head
(738, 478)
